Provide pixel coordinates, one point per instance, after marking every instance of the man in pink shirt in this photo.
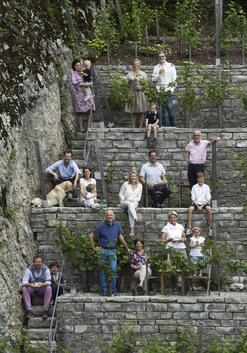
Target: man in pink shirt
(197, 150)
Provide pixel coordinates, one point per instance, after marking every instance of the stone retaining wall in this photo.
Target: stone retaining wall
(233, 113)
(127, 148)
(230, 226)
(86, 317)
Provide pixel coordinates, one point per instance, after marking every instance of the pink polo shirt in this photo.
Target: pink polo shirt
(198, 153)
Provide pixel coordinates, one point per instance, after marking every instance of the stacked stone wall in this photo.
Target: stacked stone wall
(233, 112)
(100, 317)
(229, 223)
(127, 148)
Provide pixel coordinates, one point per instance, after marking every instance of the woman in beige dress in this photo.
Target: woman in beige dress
(140, 101)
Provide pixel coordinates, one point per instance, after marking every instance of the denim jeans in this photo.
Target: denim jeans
(110, 255)
(192, 173)
(169, 107)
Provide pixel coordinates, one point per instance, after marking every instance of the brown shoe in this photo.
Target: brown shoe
(45, 314)
(29, 314)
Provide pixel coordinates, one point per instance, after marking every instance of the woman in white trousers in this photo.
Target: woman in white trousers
(129, 195)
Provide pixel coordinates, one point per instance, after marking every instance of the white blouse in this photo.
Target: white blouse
(126, 190)
(196, 251)
(174, 232)
(85, 183)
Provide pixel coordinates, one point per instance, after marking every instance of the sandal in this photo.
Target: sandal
(131, 235)
(138, 221)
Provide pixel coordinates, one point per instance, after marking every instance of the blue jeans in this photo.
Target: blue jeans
(169, 107)
(192, 173)
(110, 255)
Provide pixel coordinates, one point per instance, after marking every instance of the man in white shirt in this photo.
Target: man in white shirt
(164, 74)
(154, 174)
(200, 195)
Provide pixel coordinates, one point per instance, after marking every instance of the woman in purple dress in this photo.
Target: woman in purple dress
(83, 104)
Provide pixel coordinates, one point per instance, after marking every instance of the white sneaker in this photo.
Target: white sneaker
(211, 231)
(188, 231)
(86, 98)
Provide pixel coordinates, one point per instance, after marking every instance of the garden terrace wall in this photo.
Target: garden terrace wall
(230, 225)
(85, 317)
(233, 112)
(127, 148)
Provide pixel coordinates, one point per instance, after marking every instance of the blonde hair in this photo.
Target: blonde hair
(172, 213)
(196, 228)
(152, 104)
(139, 61)
(137, 177)
(87, 62)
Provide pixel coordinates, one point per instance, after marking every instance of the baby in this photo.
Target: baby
(86, 73)
(91, 200)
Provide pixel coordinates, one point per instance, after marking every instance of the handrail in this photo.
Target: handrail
(85, 152)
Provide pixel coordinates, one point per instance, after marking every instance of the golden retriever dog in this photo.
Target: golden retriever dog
(56, 195)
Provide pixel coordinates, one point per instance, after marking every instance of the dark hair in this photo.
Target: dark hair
(76, 61)
(68, 151)
(87, 167)
(153, 151)
(38, 257)
(138, 239)
(54, 263)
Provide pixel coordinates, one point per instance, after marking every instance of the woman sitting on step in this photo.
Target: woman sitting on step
(138, 260)
(84, 182)
(129, 195)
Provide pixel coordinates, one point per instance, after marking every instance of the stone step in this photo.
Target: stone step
(39, 322)
(44, 344)
(38, 334)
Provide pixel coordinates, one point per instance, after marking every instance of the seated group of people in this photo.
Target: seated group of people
(41, 281)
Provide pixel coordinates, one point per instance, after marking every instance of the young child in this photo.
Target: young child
(91, 200)
(86, 73)
(196, 243)
(152, 123)
(55, 277)
(200, 195)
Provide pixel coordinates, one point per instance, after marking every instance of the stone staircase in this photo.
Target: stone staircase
(38, 328)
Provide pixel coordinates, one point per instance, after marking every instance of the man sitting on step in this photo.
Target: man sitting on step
(153, 173)
(66, 170)
(37, 283)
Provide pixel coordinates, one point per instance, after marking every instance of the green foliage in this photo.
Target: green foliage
(106, 30)
(12, 154)
(153, 50)
(81, 254)
(174, 191)
(135, 15)
(152, 94)
(243, 167)
(188, 13)
(193, 77)
(217, 89)
(10, 212)
(58, 68)
(123, 341)
(120, 93)
(78, 248)
(19, 342)
(109, 173)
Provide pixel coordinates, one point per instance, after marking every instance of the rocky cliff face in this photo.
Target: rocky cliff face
(36, 105)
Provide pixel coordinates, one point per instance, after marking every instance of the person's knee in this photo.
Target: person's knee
(191, 210)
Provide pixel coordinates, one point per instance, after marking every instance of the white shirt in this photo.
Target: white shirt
(174, 232)
(169, 76)
(152, 174)
(126, 190)
(200, 193)
(196, 251)
(85, 183)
